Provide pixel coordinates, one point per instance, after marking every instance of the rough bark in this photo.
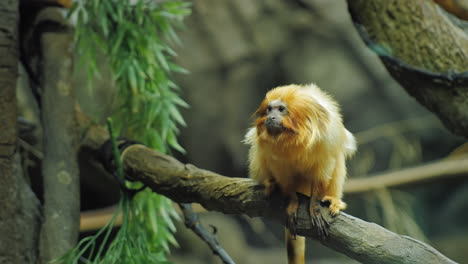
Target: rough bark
(360, 240)
(53, 40)
(19, 216)
(423, 51)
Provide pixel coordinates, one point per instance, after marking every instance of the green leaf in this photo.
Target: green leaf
(139, 69)
(173, 142)
(178, 101)
(118, 41)
(177, 68)
(122, 68)
(176, 115)
(132, 80)
(162, 60)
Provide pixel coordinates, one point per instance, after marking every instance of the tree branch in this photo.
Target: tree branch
(20, 208)
(185, 183)
(422, 50)
(439, 169)
(91, 220)
(365, 242)
(192, 221)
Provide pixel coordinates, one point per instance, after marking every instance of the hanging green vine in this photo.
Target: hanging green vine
(134, 35)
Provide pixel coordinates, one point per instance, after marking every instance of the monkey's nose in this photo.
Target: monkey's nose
(273, 121)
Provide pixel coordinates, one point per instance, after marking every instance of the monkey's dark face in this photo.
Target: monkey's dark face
(275, 112)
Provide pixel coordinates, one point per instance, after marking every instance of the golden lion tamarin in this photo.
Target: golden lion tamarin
(299, 144)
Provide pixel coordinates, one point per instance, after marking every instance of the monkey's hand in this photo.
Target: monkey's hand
(317, 218)
(335, 204)
(270, 185)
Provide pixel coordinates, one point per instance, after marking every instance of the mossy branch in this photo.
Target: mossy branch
(360, 240)
(185, 183)
(422, 50)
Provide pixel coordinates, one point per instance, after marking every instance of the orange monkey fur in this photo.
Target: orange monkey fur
(308, 155)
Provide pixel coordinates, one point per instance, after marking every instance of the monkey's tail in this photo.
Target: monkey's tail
(295, 247)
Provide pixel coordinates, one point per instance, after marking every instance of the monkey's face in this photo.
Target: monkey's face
(293, 115)
(276, 111)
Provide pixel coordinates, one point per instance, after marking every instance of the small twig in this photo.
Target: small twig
(115, 150)
(192, 221)
(26, 146)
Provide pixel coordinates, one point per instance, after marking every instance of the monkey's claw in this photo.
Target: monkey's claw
(318, 220)
(336, 205)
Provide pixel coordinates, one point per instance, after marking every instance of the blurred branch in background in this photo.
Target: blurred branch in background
(404, 145)
(419, 174)
(95, 219)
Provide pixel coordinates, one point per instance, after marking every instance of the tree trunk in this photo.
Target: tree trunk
(60, 228)
(19, 216)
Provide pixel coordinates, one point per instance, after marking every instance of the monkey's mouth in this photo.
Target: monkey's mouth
(274, 128)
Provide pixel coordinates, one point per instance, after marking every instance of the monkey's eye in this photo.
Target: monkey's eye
(281, 108)
(268, 108)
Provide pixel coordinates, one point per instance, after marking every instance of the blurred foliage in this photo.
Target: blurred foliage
(134, 36)
(392, 209)
(405, 144)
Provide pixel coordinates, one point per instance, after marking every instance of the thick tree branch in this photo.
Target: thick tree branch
(437, 170)
(185, 183)
(365, 242)
(416, 32)
(422, 50)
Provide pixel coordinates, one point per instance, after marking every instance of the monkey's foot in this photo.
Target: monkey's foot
(291, 212)
(335, 204)
(317, 219)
